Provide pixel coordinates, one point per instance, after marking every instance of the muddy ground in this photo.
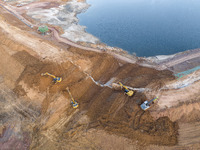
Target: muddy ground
(37, 114)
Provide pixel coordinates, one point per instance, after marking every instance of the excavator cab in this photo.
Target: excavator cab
(73, 102)
(146, 105)
(55, 79)
(126, 90)
(129, 93)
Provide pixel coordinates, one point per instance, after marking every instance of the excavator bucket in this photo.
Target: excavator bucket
(116, 86)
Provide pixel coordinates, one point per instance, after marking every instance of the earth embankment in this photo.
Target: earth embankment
(44, 108)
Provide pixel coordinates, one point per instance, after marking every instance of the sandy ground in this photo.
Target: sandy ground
(37, 114)
(168, 93)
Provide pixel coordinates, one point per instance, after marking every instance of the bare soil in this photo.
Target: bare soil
(37, 114)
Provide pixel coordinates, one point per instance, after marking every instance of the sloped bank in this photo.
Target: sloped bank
(52, 122)
(65, 17)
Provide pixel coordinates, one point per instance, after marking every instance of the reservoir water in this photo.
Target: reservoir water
(145, 27)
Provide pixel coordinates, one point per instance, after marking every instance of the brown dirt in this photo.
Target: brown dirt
(57, 124)
(107, 109)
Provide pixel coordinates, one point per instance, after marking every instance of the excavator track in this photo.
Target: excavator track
(137, 118)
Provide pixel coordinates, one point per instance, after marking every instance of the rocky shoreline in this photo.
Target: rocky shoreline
(65, 14)
(159, 60)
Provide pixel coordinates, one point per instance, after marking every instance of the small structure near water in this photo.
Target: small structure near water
(43, 29)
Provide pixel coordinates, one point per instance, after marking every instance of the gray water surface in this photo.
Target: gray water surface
(146, 27)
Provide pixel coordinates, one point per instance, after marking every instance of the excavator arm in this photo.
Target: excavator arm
(152, 100)
(48, 74)
(55, 79)
(74, 103)
(51, 75)
(70, 95)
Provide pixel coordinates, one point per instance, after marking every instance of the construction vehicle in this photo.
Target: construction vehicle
(146, 105)
(126, 90)
(73, 102)
(55, 79)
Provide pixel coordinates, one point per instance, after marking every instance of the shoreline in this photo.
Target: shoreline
(73, 73)
(65, 16)
(159, 62)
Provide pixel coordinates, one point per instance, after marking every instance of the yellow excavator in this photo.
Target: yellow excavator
(73, 102)
(55, 79)
(126, 90)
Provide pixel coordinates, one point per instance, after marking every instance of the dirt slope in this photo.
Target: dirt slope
(105, 108)
(36, 113)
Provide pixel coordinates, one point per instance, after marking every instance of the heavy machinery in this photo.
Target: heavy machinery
(55, 79)
(146, 105)
(126, 90)
(73, 102)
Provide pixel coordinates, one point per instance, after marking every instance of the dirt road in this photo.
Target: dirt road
(162, 66)
(179, 59)
(13, 11)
